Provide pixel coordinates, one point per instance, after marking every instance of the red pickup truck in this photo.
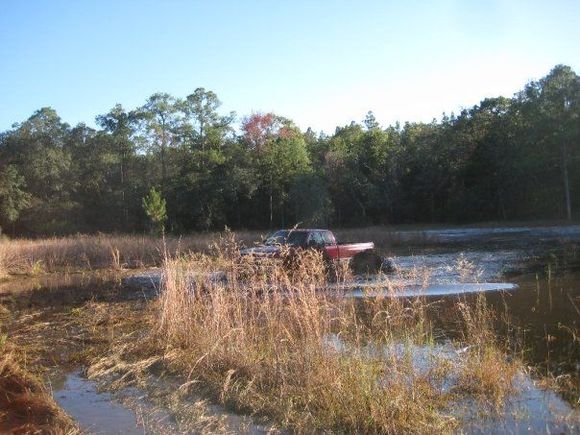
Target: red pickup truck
(323, 240)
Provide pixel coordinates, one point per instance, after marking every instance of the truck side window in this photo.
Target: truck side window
(316, 239)
(320, 239)
(327, 238)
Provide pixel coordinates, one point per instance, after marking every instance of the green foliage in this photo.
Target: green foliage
(13, 196)
(310, 200)
(506, 158)
(155, 209)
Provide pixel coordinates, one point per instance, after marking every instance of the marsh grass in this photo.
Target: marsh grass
(265, 340)
(86, 252)
(106, 251)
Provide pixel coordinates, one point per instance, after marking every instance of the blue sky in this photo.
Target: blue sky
(320, 63)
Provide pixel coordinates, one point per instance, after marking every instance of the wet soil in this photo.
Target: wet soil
(536, 282)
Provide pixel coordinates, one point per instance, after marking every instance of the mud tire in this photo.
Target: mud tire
(366, 263)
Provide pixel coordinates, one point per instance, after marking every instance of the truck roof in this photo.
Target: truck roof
(303, 229)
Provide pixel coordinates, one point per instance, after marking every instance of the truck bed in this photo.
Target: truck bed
(341, 252)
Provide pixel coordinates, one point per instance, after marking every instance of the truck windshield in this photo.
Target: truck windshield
(285, 237)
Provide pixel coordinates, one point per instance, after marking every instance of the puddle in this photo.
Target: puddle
(102, 413)
(96, 413)
(529, 409)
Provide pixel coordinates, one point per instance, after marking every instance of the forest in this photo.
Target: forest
(504, 159)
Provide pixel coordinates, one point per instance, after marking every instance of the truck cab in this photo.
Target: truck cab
(319, 239)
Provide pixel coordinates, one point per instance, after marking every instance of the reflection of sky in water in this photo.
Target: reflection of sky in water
(96, 412)
(100, 412)
(461, 266)
(452, 273)
(431, 290)
(529, 409)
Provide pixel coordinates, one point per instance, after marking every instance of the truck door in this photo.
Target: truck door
(330, 244)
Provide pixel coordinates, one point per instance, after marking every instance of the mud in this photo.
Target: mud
(521, 271)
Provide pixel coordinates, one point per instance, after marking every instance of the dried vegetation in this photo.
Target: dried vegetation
(25, 404)
(85, 252)
(265, 341)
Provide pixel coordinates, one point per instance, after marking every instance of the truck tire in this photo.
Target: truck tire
(366, 263)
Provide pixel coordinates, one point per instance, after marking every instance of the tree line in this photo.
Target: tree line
(503, 159)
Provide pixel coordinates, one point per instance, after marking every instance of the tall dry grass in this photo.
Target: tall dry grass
(86, 252)
(266, 340)
(104, 251)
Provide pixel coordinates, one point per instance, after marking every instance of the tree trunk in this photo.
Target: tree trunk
(125, 210)
(271, 209)
(500, 204)
(163, 168)
(566, 181)
(363, 210)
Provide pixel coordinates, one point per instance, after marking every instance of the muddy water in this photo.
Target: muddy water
(511, 236)
(96, 413)
(530, 408)
(539, 290)
(57, 290)
(547, 310)
(431, 290)
(130, 411)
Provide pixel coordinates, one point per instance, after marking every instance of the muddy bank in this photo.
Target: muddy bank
(26, 405)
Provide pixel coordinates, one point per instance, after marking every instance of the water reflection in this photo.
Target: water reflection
(59, 289)
(435, 290)
(528, 409)
(95, 412)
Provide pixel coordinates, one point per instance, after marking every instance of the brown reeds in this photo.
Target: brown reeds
(25, 404)
(86, 252)
(269, 342)
(267, 338)
(105, 251)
